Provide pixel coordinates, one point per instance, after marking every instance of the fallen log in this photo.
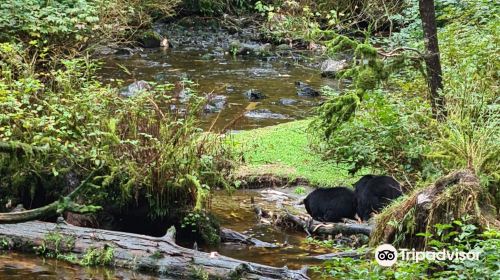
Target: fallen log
(286, 219)
(229, 235)
(321, 228)
(160, 256)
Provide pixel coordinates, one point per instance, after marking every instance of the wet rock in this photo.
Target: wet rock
(134, 88)
(306, 90)
(184, 95)
(254, 94)
(104, 50)
(219, 101)
(215, 103)
(287, 101)
(265, 114)
(229, 88)
(150, 39)
(238, 48)
(209, 109)
(330, 67)
(125, 51)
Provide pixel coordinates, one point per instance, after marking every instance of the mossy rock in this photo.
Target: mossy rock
(150, 39)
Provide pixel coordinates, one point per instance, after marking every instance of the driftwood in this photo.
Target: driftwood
(160, 256)
(312, 226)
(229, 235)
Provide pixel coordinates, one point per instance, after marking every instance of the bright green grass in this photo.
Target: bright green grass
(283, 150)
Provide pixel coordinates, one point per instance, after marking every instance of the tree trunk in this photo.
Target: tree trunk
(159, 256)
(432, 60)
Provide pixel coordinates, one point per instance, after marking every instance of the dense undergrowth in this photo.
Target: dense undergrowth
(149, 154)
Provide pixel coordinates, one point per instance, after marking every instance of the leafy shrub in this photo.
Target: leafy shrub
(388, 132)
(146, 149)
(456, 236)
(66, 26)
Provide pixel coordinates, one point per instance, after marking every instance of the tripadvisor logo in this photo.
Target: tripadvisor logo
(386, 255)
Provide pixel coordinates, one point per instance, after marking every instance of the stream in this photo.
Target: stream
(202, 57)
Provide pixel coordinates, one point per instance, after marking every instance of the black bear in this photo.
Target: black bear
(331, 204)
(373, 193)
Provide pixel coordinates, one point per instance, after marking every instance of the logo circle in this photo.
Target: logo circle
(386, 255)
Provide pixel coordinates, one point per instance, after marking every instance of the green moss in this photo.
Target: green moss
(283, 150)
(367, 79)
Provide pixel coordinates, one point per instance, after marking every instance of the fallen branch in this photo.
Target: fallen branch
(160, 256)
(57, 207)
(320, 228)
(286, 219)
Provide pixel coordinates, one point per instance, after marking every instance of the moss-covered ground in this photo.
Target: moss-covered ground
(283, 150)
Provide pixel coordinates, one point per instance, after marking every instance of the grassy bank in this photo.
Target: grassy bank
(283, 150)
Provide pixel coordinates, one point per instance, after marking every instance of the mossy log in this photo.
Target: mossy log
(160, 256)
(21, 148)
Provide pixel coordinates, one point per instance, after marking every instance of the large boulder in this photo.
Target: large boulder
(331, 67)
(150, 39)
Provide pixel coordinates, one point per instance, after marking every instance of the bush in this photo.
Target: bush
(68, 26)
(388, 132)
(146, 149)
(459, 235)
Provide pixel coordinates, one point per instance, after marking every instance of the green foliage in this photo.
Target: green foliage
(67, 26)
(198, 273)
(315, 21)
(98, 256)
(389, 132)
(56, 245)
(367, 72)
(204, 225)
(146, 148)
(216, 7)
(55, 20)
(456, 236)
(299, 191)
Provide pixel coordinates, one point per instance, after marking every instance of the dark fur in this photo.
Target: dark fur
(331, 204)
(374, 192)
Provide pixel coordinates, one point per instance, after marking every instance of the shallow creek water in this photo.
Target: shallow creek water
(226, 75)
